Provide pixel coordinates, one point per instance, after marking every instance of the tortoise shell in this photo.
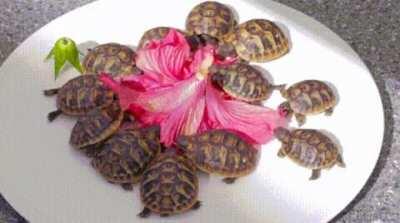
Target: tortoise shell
(82, 94)
(110, 58)
(260, 40)
(312, 149)
(156, 33)
(96, 126)
(242, 81)
(169, 185)
(221, 152)
(126, 154)
(212, 18)
(310, 97)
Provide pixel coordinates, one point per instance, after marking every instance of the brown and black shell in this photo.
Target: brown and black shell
(111, 58)
(96, 126)
(169, 185)
(123, 157)
(312, 149)
(156, 33)
(260, 40)
(310, 97)
(82, 94)
(221, 152)
(242, 81)
(211, 18)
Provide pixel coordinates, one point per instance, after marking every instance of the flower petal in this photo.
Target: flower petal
(165, 60)
(255, 122)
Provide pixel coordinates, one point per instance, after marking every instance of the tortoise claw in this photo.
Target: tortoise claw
(229, 180)
(196, 205)
(53, 115)
(145, 213)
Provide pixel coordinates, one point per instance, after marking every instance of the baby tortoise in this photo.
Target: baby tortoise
(259, 40)
(79, 96)
(211, 18)
(156, 33)
(169, 186)
(243, 82)
(95, 127)
(220, 152)
(307, 97)
(124, 156)
(111, 58)
(309, 148)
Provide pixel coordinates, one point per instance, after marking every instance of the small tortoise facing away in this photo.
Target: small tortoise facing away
(110, 58)
(243, 82)
(79, 96)
(211, 18)
(220, 152)
(259, 40)
(169, 186)
(307, 98)
(309, 148)
(95, 127)
(124, 156)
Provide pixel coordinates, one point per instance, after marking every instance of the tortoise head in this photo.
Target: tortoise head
(282, 134)
(285, 110)
(185, 144)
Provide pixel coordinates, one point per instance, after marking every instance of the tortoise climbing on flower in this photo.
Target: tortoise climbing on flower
(79, 96)
(111, 58)
(95, 127)
(309, 148)
(211, 18)
(220, 152)
(123, 157)
(308, 97)
(169, 186)
(243, 81)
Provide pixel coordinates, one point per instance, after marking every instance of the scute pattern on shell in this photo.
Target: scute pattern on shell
(110, 58)
(212, 18)
(310, 97)
(96, 126)
(169, 185)
(312, 149)
(260, 40)
(83, 94)
(221, 152)
(124, 156)
(243, 82)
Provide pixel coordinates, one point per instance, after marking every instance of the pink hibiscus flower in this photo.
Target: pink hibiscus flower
(176, 93)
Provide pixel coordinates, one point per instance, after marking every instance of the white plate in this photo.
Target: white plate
(48, 182)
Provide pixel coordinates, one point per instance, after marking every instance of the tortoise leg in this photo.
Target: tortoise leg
(229, 180)
(53, 115)
(315, 174)
(145, 213)
(339, 161)
(196, 205)
(127, 186)
(51, 92)
(283, 92)
(281, 152)
(301, 119)
(280, 88)
(329, 111)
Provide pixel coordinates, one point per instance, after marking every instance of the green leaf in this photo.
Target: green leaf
(65, 50)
